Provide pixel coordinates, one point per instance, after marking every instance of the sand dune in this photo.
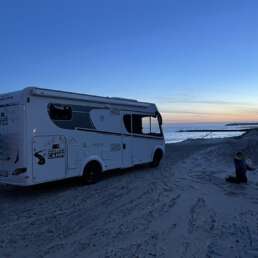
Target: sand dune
(182, 209)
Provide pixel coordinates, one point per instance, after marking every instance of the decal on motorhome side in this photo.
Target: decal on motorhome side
(40, 155)
(56, 152)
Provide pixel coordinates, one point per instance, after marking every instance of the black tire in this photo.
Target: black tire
(156, 158)
(92, 173)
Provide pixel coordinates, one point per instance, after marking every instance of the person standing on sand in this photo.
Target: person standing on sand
(241, 166)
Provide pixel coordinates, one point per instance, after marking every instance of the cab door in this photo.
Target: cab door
(142, 141)
(49, 158)
(127, 144)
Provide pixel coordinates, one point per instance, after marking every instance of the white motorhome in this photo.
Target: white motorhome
(48, 135)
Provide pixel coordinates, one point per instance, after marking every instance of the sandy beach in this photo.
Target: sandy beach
(184, 209)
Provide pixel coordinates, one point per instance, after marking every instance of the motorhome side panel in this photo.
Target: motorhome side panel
(68, 134)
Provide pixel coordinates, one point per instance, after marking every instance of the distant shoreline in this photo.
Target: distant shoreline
(212, 130)
(178, 133)
(241, 124)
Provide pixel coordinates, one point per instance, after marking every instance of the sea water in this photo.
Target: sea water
(172, 135)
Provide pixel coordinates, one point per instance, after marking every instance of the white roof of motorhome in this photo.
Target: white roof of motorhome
(34, 91)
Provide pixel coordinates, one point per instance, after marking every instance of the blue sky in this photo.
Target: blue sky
(198, 60)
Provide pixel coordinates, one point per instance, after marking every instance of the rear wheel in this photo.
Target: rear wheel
(92, 173)
(156, 158)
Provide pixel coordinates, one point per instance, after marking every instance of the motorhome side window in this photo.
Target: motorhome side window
(142, 124)
(60, 112)
(72, 117)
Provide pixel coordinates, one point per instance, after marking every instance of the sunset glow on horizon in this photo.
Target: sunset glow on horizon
(215, 118)
(208, 112)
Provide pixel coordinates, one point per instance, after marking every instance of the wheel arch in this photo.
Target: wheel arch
(93, 159)
(158, 148)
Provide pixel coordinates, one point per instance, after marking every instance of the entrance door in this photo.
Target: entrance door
(49, 158)
(127, 160)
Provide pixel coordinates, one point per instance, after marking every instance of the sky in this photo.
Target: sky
(196, 59)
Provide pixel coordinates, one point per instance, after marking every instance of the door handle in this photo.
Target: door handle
(124, 146)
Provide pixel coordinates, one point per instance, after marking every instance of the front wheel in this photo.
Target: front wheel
(91, 173)
(156, 158)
